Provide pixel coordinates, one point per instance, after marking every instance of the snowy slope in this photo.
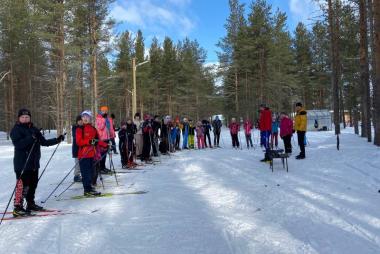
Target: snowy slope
(212, 201)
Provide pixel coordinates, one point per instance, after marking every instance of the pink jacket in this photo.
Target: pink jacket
(248, 127)
(286, 127)
(103, 132)
(234, 128)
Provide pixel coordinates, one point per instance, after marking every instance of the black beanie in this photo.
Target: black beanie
(298, 104)
(23, 112)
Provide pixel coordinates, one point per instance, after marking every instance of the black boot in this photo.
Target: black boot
(33, 207)
(19, 210)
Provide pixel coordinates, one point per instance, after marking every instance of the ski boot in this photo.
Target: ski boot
(33, 207)
(92, 193)
(19, 210)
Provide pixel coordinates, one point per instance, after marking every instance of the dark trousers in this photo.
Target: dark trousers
(87, 171)
(146, 147)
(102, 162)
(301, 141)
(287, 143)
(235, 140)
(248, 138)
(113, 145)
(28, 187)
(216, 137)
(123, 152)
(207, 136)
(154, 141)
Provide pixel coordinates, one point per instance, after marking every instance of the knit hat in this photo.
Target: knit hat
(86, 112)
(298, 104)
(24, 112)
(137, 114)
(146, 117)
(103, 108)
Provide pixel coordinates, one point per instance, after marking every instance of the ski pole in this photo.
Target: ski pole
(55, 150)
(64, 178)
(112, 166)
(19, 179)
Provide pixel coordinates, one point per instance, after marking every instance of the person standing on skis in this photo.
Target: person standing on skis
(27, 141)
(300, 126)
(123, 144)
(191, 134)
(265, 125)
(234, 131)
(217, 127)
(248, 126)
(78, 123)
(185, 133)
(147, 135)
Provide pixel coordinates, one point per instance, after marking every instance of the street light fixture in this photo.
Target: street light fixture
(134, 91)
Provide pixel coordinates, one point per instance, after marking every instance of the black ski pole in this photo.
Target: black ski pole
(47, 164)
(19, 179)
(112, 166)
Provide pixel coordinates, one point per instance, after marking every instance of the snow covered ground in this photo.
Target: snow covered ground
(212, 201)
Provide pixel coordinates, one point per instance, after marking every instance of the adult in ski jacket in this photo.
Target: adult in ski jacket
(234, 131)
(300, 125)
(265, 126)
(147, 135)
(217, 127)
(27, 141)
(207, 128)
(156, 125)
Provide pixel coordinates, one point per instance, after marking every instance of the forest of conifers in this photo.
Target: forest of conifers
(59, 57)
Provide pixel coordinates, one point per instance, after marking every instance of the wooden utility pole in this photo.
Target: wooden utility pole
(134, 92)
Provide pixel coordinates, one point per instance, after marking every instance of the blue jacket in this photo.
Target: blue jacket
(275, 126)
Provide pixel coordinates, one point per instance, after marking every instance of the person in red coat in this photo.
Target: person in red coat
(248, 126)
(234, 130)
(87, 140)
(286, 131)
(265, 126)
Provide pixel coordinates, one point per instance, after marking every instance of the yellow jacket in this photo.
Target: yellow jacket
(300, 121)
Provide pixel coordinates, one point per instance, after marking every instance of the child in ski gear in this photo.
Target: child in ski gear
(139, 135)
(123, 144)
(156, 125)
(27, 141)
(106, 131)
(185, 133)
(78, 123)
(265, 125)
(200, 135)
(191, 134)
(87, 139)
(300, 126)
(234, 131)
(286, 131)
(248, 126)
(274, 133)
(147, 135)
(207, 129)
(217, 127)
(130, 134)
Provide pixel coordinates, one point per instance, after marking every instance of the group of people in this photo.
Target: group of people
(271, 126)
(138, 139)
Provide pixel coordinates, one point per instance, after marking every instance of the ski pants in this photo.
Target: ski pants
(146, 146)
(235, 140)
(113, 145)
(248, 139)
(201, 143)
(216, 137)
(26, 186)
(274, 137)
(191, 141)
(301, 141)
(287, 143)
(185, 141)
(265, 139)
(87, 171)
(207, 136)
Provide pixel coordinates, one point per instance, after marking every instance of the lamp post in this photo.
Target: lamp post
(134, 91)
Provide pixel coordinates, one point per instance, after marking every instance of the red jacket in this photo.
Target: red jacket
(83, 136)
(234, 128)
(265, 122)
(248, 127)
(286, 127)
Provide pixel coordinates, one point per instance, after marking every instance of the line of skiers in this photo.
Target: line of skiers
(270, 126)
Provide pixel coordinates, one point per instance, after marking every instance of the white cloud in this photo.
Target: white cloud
(151, 14)
(304, 10)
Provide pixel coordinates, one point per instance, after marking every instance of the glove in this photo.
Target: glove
(36, 134)
(61, 138)
(94, 142)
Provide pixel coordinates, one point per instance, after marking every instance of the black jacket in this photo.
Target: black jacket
(22, 139)
(74, 148)
(156, 126)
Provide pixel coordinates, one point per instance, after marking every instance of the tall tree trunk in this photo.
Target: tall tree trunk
(94, 53)
(335, 76)
(376, 85)
(236, 92)
(364, 73)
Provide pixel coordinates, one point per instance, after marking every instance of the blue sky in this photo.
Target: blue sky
(197, 19)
